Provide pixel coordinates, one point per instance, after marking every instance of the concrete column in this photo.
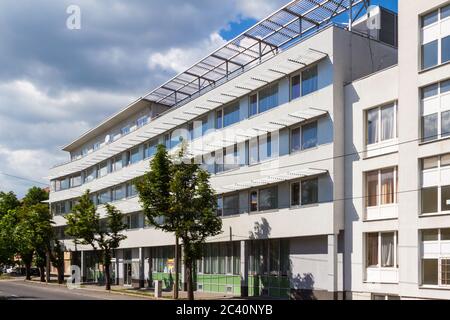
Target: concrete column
(332, 265)
(141, 268)
(244, 269)
(117, 269)
(83, 276)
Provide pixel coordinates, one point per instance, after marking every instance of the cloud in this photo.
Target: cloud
(56, 83)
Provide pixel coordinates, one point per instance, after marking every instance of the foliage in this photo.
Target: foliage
(35, 196)
(176, 197)
(8, 201)
(85, 225)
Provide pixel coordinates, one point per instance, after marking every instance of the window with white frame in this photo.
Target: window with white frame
(142, 121)
(304, 83)
(436, 257)
(435, 47)
(102, 169)
(381, 250)
(75, 181)
(220, 258)
(435, 192)
(381, 124)
(436, 111)
(104, 197)
(116, 163)
(268, 98)
(150, 148)
(118, 193)
(131, 190)
(381, 187)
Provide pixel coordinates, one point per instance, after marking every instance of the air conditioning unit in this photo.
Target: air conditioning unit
(379, 23)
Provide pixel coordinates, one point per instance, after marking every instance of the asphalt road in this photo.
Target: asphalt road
(19, 289)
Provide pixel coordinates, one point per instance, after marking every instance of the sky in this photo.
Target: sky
(56, 83)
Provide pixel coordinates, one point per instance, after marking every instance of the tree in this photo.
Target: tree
(85, 225)
(33, 235)
(8, 223)
(189, 211)
(57, 259)
(34, 196)
(8, 201)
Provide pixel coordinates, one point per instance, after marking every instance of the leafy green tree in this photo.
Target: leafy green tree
(84, 224)
(8, 201)
(57, 259)
(8, 223)
(32, 235)
(189, 211)
(35, 196)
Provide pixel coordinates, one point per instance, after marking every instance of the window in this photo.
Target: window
(150, 149)
(268, 198)
(253, 152)
(430, 54)
(381, 124)
(118, 193)
(445, 49)
(176, 137)
(309, 136)
(435, 193)
(381, 250)
(219, 119)
(230, 205)
(65, 184)
(269, 257)
(75, 181)
(220, 258)
(295, 140)
(231, 158)
(230, 115)
(309, 191)
(219, 206)
(104, 197)
(116, 163)
(435, 257)
(102, 169)
(125, 130)
(435, 38)
(253, 201)
(131, 190)
(295, 194)
(309, 81)
(142, 121)
(253, 105)
(381, 187)
(134, 156)
(295, 87)
(90, 175)
(265, 147)
(268, 98)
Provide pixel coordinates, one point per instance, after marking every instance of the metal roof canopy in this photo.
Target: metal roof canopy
(283, 27)
(271, 179)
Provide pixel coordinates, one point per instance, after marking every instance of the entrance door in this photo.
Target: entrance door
(127, 274)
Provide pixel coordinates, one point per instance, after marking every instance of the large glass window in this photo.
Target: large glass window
(231, 205)
(116, 163)
(381, 250)
(135, 155)
(102, 169)
(381, 124)
(295, 140)
(309, 189)
(265, 147)
(118, 193)
(381, 187)
(430, 271)
(75, 181)
(295, 87)
(268, 98)
(268, 198)
(231, 114)
(219, 119)
(430, 54)
(131, 190)
(295, 194)
(104, 197)
(309, 81)
(253, 105)
(429, 200)
(309, 136)
(430, 127)
(150, 149)
(436, 49)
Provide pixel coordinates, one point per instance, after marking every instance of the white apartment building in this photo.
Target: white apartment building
(327, 148)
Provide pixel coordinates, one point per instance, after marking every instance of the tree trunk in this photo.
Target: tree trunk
(28, 271)
(177, 257)
(60, 274)
(42, 273)
(107, 266)
(189, 278)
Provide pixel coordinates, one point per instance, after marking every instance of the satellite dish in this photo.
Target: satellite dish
(107, 138)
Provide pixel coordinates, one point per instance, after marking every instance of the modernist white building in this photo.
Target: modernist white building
(327, 147)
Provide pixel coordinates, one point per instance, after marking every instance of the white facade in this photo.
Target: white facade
(344, 212)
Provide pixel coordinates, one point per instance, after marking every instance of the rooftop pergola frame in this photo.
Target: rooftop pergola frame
(279, 30)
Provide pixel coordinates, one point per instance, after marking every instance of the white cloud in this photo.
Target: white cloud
(179, 59)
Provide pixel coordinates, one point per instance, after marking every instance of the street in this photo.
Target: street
(19, 289)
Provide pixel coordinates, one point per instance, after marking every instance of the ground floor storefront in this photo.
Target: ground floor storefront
(290, 268)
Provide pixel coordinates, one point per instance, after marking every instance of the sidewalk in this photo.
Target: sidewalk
(142, 293)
